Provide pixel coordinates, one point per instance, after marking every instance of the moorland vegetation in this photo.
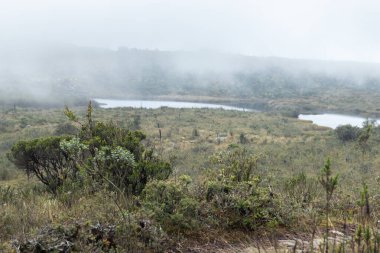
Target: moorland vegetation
(137, 180)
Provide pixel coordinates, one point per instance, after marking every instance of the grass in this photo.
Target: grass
(286, 147)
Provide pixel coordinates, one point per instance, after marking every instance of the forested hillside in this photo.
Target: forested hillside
(64, 73)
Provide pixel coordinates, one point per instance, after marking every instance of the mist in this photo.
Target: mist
(69, 50)
(316, 29)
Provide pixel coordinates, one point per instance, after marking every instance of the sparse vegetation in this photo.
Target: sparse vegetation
(197, 183)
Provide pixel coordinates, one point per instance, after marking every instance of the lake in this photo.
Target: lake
(113, 103)
(326, 119)
(333, 120)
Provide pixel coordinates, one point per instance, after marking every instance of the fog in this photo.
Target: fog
(316, 29)
(119, 48)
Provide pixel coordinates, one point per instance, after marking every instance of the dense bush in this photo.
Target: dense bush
(235, 195)
(172, 204)
(105, 153)
(347, 133)
(44, 159)
(240, 204)
(236, 164)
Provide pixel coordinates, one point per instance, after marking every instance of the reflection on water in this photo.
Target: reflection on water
(112, 103)
(333, 120)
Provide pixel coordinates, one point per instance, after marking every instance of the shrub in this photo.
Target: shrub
(194, 133)
(66, 129)
(105, 153)
(236, 196)
(301, 190)
(120, 167)
(172, 204)
(347, 133)
(240, 204)
(243, 139)
(44, 159)
(136, 122)
(237, 164)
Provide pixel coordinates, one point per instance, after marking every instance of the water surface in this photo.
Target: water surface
(326, 119)
(113, 103)
(333, 120)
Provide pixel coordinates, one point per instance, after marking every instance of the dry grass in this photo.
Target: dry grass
(287, 146)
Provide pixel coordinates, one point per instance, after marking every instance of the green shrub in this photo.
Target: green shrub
(243, 139)
(6, 174)
(301, 190)
(347, 133)
(237, 164)
(240, 204)
(105, 153)
(172, 204)
(44, 159)
(194, 133)
(23, 122)
(236, 198)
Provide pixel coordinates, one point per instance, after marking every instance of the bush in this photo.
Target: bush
(194, 133)
(243, 139)
(237, 164)
(236, 197)
(126, 171)
(44, 159)
(347, 133)
(66, 129)
(301, 190)
(172, 204)
(240, 204)
(105, 153)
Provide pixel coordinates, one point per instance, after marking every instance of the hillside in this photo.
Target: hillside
(60, 74)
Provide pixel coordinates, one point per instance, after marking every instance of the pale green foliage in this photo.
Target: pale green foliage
(118, 155)
(185, 179)
(73, 146)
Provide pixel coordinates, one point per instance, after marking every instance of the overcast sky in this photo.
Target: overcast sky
(321, 29)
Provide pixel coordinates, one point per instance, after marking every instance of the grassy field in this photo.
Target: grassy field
(285, 149)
